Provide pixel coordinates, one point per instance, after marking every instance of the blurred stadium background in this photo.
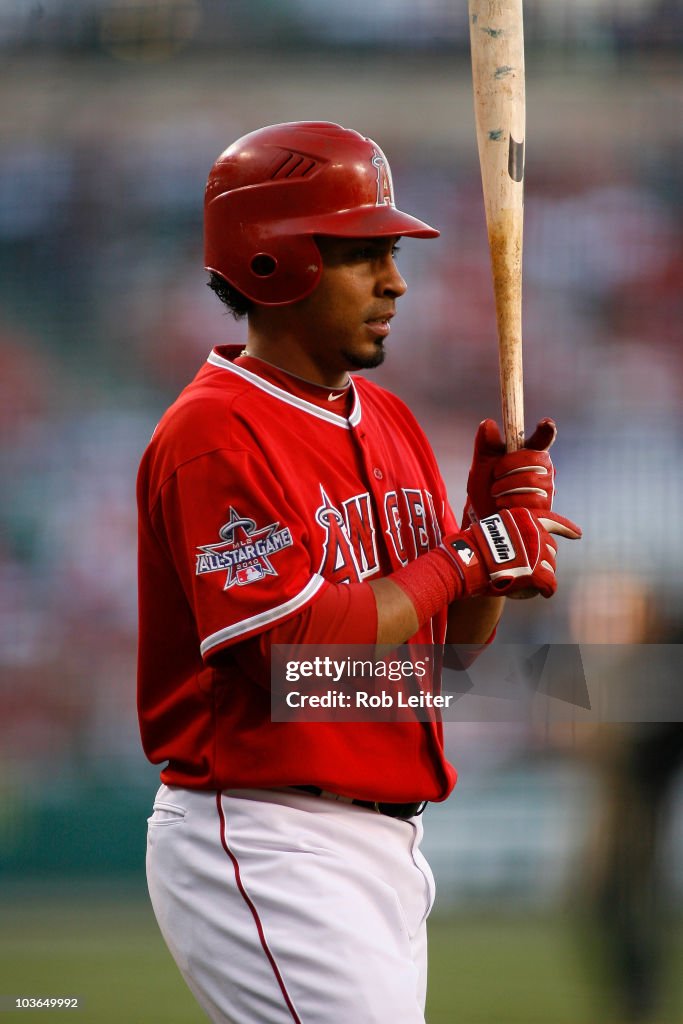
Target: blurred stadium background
(111, 113)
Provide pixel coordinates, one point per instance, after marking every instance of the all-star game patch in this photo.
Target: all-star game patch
(244, 551)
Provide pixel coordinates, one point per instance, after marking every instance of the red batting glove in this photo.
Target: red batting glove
(500, 479)
(509, 551)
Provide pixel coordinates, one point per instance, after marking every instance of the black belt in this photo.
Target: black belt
(402, 811)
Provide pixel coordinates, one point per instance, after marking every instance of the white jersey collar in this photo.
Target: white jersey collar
(285, 396)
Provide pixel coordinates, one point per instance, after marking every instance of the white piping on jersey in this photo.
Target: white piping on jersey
(284, 396)
(263, 618)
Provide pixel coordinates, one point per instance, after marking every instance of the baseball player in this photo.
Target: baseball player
(284, 500)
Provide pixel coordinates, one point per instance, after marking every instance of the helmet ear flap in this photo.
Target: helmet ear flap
(266, 260)
(277, 271)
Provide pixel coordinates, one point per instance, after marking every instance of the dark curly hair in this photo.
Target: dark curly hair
(238, 305)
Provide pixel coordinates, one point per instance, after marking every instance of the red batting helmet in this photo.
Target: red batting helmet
(272, 190)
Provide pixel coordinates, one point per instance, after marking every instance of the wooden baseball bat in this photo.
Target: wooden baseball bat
(497, 45)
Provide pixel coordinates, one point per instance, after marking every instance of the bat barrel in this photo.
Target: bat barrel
(497, 45)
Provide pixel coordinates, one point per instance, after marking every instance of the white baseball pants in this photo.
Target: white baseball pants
(284, 908)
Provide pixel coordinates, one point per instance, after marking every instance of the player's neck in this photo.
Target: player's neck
(346, 383)
(285, 353)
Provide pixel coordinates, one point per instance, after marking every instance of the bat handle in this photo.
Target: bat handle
(512, 408)
(514, 439)
(511, 383)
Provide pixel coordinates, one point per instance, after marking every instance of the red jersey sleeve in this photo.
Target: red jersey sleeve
(240, 547)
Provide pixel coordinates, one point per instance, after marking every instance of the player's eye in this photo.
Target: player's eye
(375, 252)
(371, 253)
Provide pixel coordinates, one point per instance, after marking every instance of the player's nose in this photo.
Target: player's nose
(390, 280)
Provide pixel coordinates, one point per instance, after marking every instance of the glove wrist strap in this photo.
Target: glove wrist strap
(431, 582)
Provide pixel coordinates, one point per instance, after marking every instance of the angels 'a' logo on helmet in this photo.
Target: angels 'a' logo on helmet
(385, 186)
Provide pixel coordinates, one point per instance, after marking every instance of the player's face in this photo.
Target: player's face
(345, 322)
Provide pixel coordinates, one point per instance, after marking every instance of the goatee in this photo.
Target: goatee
(369, 362)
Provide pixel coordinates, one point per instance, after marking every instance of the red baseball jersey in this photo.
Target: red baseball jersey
(256, 493)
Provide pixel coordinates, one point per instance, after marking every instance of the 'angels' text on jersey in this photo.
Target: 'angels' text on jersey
(350, 541)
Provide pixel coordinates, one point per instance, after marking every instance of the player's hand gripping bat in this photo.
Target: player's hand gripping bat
(497, 44)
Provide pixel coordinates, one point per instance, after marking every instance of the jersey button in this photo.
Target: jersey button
(379, 475)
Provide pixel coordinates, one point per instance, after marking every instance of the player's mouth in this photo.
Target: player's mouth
(379, 326)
